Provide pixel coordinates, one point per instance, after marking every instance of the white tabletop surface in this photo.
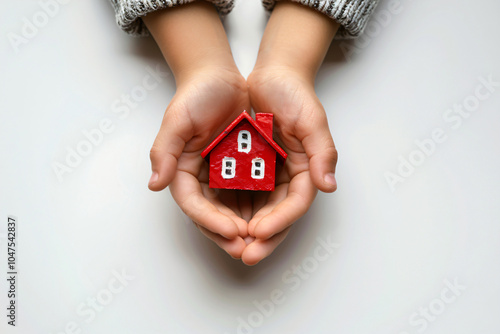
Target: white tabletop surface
(97, 252)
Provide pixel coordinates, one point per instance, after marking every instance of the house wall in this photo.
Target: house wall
(228, 147)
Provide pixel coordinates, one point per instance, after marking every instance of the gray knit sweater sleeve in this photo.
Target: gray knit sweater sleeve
(129, 12)
(351, 14)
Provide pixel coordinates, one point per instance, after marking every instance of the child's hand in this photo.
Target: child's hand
(199, 110)
(302, 129)
(282, 83)
(210, 93)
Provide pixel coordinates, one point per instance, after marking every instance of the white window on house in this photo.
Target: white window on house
(228, 167)
(244, 141)
(258, 168)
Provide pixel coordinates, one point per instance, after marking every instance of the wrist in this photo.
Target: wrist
(211, 61)
(263, 73)
(273, 65)
(191, 38)
(297, 38)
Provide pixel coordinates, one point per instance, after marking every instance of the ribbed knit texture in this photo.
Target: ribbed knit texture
(351, 14)
(129, 12)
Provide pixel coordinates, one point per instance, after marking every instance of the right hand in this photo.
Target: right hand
(204, 104)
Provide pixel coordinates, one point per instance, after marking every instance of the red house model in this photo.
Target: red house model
(244, 155)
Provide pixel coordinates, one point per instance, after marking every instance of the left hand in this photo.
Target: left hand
(302, 128)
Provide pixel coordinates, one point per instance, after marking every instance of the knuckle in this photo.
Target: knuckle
(334, 154)
(187, 206)
(154, 152)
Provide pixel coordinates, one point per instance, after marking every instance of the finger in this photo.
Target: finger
(233, 247)
(213, 198)
(262, 198)
(229, 198)
(265, 204)
(248, 239)
(187, 192)
(260, 249)
(299, 198)
(320, 149)
(174, 132)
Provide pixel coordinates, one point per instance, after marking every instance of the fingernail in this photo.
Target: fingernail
(330, 179)
(249, 239)
(153, 178)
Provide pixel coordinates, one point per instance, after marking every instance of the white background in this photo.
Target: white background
(397, 249)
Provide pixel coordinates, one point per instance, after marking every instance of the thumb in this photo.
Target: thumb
(174, 132)
(322, 154)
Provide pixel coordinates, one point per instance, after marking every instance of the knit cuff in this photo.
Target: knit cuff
(129, 12)
(351, 14)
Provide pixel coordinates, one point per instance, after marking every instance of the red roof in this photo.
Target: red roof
(244, 115)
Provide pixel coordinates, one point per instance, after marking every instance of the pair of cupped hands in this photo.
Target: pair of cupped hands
(246, 224)
(211, 93)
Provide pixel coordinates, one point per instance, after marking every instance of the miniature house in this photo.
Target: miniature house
(244, 155)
